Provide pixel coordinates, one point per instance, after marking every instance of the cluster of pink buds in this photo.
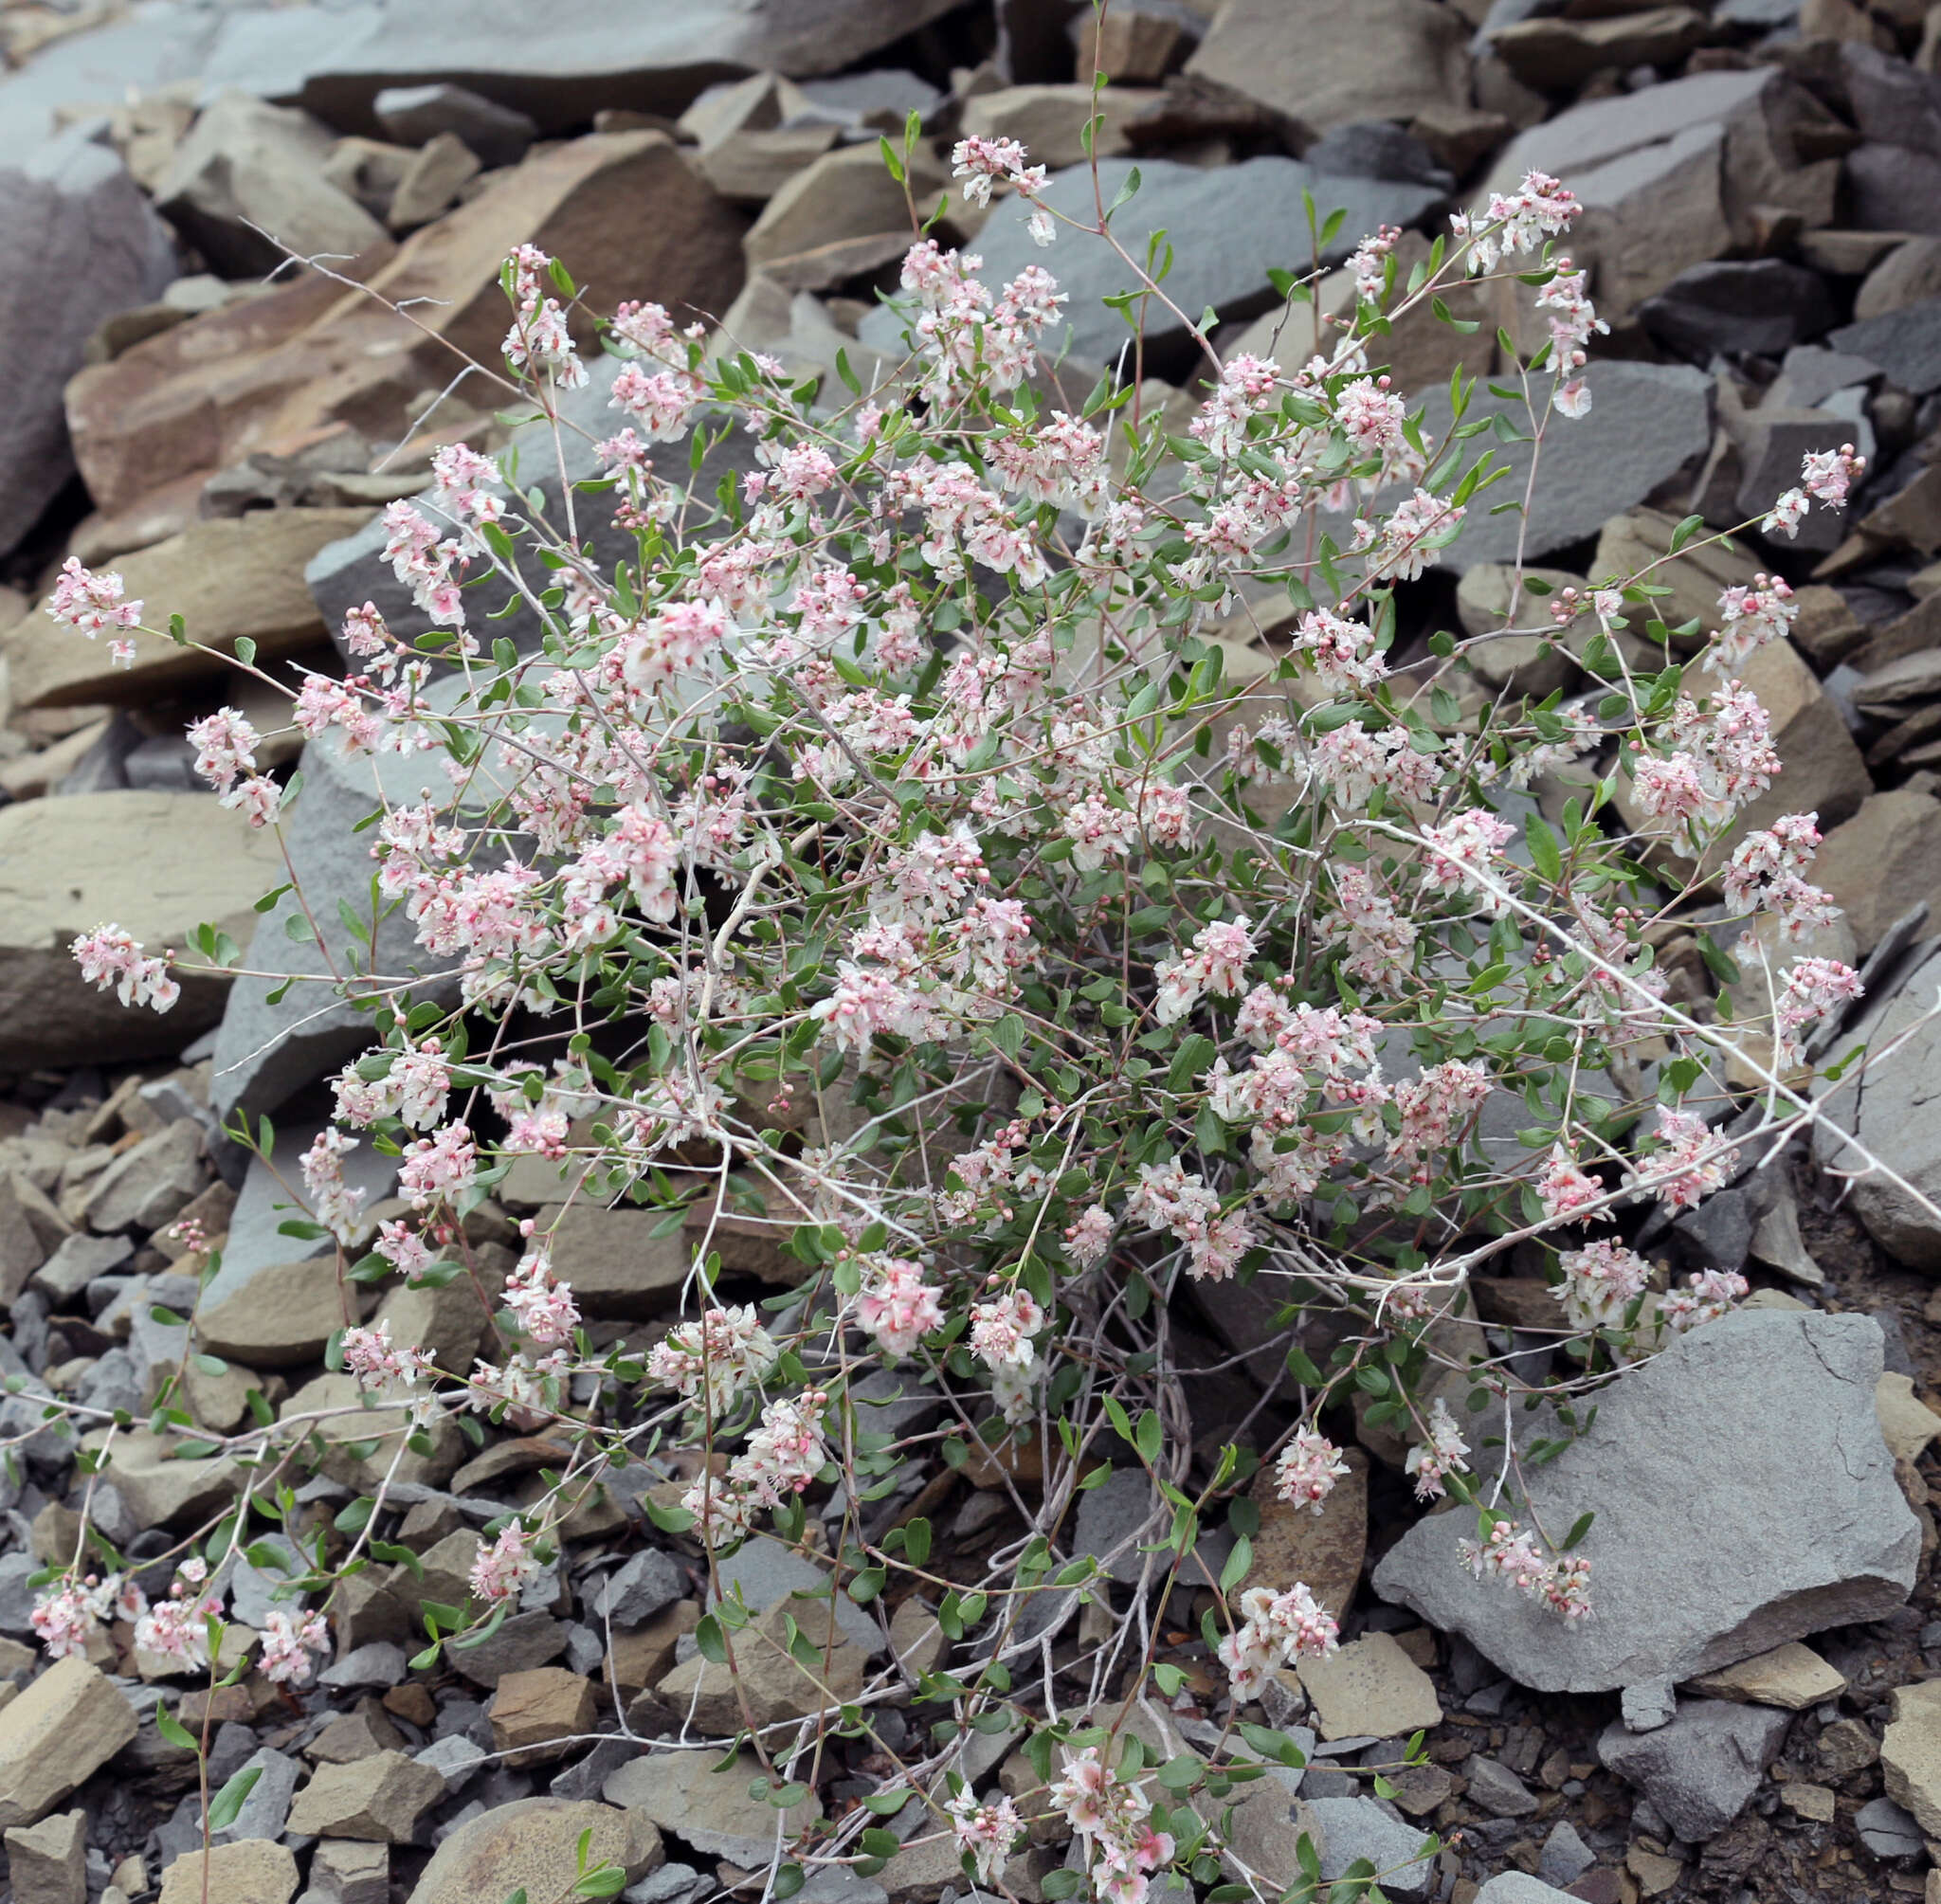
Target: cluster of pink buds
(1307, 1469)
(1275, 1630)
(1510, 1553)
(108, 957)
(1113, 1817)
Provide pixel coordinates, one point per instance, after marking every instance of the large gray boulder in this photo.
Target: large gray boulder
(1889, 1109)
(84, 244)
(1230, 226)
(1702, 1769)
(1743, 1495)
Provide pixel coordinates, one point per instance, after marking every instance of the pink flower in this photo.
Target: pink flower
(108, 957)
(507, 1568)
(1569, 1193)
(90, 603)
(437, 1167)
(288, 1640)
(1307, 1469)
(895, 1305)
(541, 1304)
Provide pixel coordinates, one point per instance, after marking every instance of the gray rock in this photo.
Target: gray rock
(253, 1590)
(677, 1884)
(16, 1597)
(1566, 1857)
(1646, 1706)
(585, 1778)
(1702, 1769)
(591, 55)
(766, 1571)
(163, 765)
(1645, 421)
(633, 1595)
(1518, 1887)
(1376, 149)
(262, 1206)
(376, 1667)
(1360, 1827)
(66, 1274)
(455, 1759)
(150, 1183)
(1244, 219)
(1905, 343)
(114, 1382)
(1892, 103)
(417, 114)
(266, 1810)
(1744, 1498)
(1892, 189)
(1888, 1831)
(1497, 1789)
(525, 1640)
(1762, 307)
(96, 249)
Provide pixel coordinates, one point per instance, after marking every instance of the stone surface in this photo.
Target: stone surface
(1518, 1886)
(1906, 343)
(1909, 274)
(1353, 1828)
(1370, 1686)
(1910, 1753)
(533, 1843)
(46, 1863)
(1762, 307)
(635, 1593)
(150, 1185)
(285, 1315)
(246, 1873)
(247, 187)
(1881, 862)
(62, 1731)
(1243, 218)
(681, 1792)
(417, 114)
(533, 1715)
(1323, 1549)
(1703, 1557)
(1555, 54)
(96, 248)
(380, 1799)
(346, 1436)
(1326, 62)
(1647, 420)
(1702, 1769)
(225, 579)
(1048, 120)
(160, 1489)
(1791, 1676)
(1497, 1789)
(773, 1684)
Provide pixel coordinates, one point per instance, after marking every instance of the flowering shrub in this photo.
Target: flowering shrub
(911, 851)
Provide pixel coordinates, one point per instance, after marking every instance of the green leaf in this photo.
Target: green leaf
(228, 1802)
(916, 1540)
(1196, 1052)
(608, 1881)
(709, 1640)
(246, 652)
(1579, 1527)
(175, 1732)
(893, 163)
(1545, 854)
(1238, 1564)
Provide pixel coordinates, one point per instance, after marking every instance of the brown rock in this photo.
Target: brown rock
(431, 182)
(1792, 1676)
(286, 1316)
(1370, 1686)
(536, 1715)
(844, 208)
(62, 1731)
(226, 580)
(360, 1734)
(1130, 47)
(1911, 1754)
(252, 1871)
(1325, 1551)
(1881, 862)
(1825, 629)
(1555, 54)
(161, 1490)
(775, 1684)
(622, 210)
(1909, 274)
(379, 1799)
(532, 1845)
(1328, 62)
(644, 1656)
(1049, 120)
(46, 1863)
(346, 1436)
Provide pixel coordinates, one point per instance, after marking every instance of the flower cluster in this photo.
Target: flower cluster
(1275, 1630)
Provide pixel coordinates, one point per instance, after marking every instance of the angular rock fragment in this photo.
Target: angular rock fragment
(1700, 1771)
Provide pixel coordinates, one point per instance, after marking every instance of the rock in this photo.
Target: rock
(621, 208)
(266, 1810)
(99, 249)
(765, 1574)
(378, 1664)
(1353, 1828)
(68, 866)
(1888, 1831)
(1906, 343)
(417, 114)
(1376, 149)
(1909, 274)
(1670, 176)
(345, 1436)
(681, 1792)
(346, 1871)
(1647, 1705)
(1886, 1111)
(1518, 1887)
(1324, 1550)
(774, 1685)
(522, 1643)
(1882, 861)
(246, 1873)
(225, 579)
(1702, 1769)
(644, 1656)
(284, 1317)
(1634, 541)
(1907, 1424)
(1791, 1676)
(1350, 60)
(1557, 54)
(150, 1185)
(536, 1715)
(533, 1843)
(1761, 308)
(1909, 1752)
(161, 1490)
(1890, 101)
(56, 1735)
(247, 164)
(46, 1863)
(75, 1264)
(455, 1759)
(842, 214)
(639, 1590)
(1645, 422)
(619, 1270)
(591, 58)
(380, 1799)
(1243, 217)
(432, 182)
(1370, 1686)
(1566, 1857)
(1497, 1788)
(1048, 120)
(1699, 1563)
